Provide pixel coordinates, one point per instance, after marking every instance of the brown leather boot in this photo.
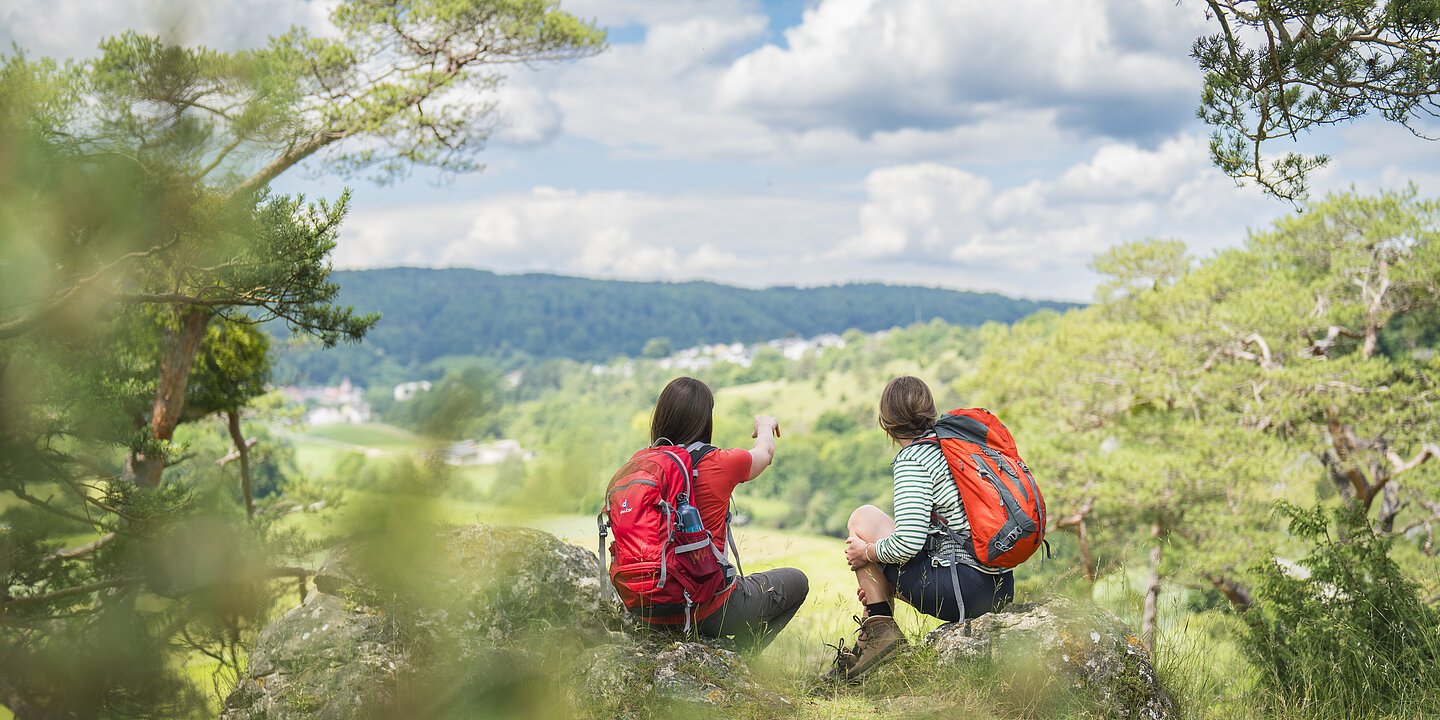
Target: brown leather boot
(840, 666)
(879, 638)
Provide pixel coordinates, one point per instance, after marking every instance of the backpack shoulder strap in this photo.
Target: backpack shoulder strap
(698, 450)
(680, 465)
(604, 527)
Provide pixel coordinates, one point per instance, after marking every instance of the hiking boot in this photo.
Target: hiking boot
(844, 660)
(879, 638)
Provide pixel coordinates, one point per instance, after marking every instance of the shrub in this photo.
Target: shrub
(1351, 638)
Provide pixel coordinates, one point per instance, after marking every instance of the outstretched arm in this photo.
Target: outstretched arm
(767, 429)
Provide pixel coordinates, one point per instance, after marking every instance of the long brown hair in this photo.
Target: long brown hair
(684, 413)
(907, 409)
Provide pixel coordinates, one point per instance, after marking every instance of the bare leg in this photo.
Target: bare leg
(870, 524)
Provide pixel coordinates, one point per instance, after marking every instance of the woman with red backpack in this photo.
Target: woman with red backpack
(671, 568)
(960, 524)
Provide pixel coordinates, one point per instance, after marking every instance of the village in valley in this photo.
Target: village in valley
(346, 404)
(703, 356)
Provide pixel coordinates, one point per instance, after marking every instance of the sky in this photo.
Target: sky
(993, 146)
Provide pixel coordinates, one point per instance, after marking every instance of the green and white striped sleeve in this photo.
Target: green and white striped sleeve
(913, 502)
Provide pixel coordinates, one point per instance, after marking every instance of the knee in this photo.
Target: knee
(864, 518)
(857, 518)
(797, 587)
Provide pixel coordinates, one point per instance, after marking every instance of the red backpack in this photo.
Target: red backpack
(1002, 501)
(661, 570)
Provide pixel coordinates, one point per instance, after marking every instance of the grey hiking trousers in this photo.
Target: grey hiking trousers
(759, 607)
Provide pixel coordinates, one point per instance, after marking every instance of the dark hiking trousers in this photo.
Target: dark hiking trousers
(759, 607)
(931, 590)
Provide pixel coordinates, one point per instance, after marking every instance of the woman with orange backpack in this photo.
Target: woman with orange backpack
(966, 512)
(669, 510)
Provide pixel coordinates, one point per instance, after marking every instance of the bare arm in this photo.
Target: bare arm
(767, 429)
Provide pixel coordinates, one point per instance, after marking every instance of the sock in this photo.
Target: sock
(881, 608)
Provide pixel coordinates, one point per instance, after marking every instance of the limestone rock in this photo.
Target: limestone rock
(319, 660)
(615, 679)
(548, 582)
(500, 610)
(705, 674)
(610, 677)
(338, 573)
(1090, 646)
(485, 597)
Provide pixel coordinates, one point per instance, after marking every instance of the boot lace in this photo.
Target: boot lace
(862, 632)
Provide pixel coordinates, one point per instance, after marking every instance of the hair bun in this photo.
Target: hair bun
(907, 409)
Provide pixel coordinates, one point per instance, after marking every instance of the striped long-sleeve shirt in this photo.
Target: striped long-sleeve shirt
(923, 483)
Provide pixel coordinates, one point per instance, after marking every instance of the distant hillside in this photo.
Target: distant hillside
(429, 314)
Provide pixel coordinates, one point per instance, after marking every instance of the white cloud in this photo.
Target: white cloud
(1048, 229)
(1123, 170)
(922, 223)
(654, 97)
(746, 239)
(912, 223)
(527, 117)
(863, 82)
(857, 82)
(868, 65)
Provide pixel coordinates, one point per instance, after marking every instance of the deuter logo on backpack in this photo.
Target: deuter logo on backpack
(663, 562)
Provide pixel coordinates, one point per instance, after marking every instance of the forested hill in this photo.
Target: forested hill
(428, 314)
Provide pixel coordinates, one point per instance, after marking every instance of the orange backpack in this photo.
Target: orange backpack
(1002, 501)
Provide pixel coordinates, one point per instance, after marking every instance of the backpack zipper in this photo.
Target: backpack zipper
(636, 481)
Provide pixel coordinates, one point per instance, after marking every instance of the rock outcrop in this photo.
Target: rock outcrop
(494, 615)
(610, 677)
(320, 660)
(1089, 647)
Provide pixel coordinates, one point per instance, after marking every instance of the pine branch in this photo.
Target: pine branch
(83, 550)
(21, 325)
(28, 600)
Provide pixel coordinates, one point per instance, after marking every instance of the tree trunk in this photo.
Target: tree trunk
(1375, 314)
(1076, 523)
(233, 419)
(1390, 506)
(1152, 593)
(1082, 531)
(1235, 592)
(176, 360)
(1372, 338)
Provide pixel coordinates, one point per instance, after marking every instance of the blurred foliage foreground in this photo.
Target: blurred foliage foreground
(141, 247)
